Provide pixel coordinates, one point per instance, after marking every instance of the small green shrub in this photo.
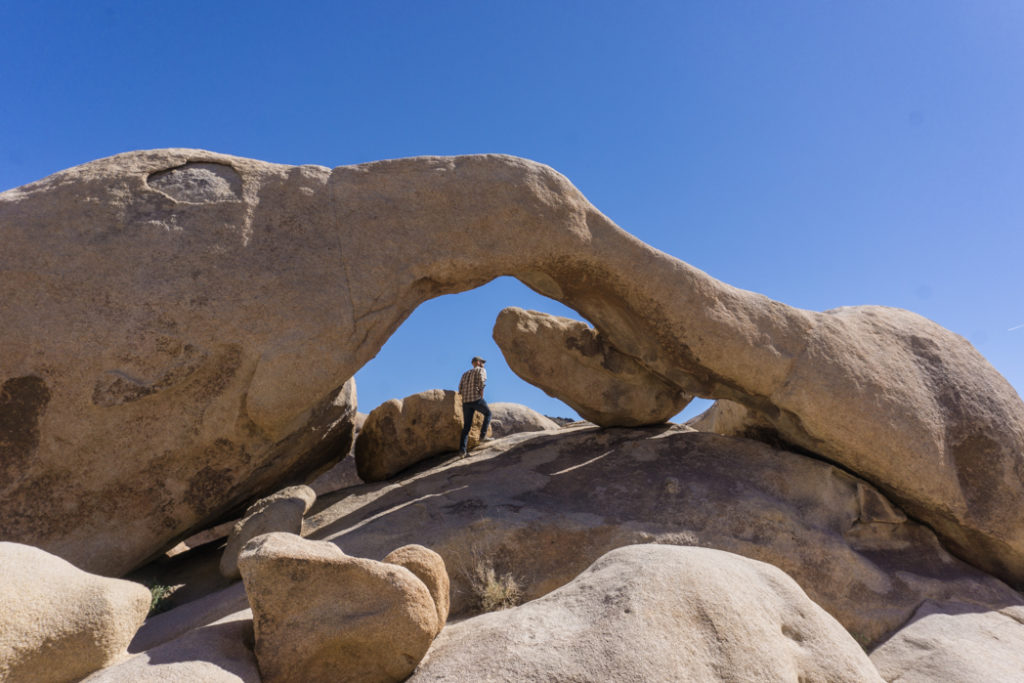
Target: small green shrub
(158, 597)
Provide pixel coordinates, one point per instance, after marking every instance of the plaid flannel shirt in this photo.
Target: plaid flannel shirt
(471, 386)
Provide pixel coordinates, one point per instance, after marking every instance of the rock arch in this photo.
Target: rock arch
(233, 311)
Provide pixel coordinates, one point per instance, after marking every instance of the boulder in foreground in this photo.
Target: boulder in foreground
(320, 615)
(656, 613)
(59, 623)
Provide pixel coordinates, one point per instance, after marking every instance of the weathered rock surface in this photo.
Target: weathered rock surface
(573, 362)
(281, 511)
(220, 302)
(429, 568)
(218, 652)
(402, 432)
(955, 643)
(656, 613)
(543, 506)
(512, 418)
(59, 623)
(343, 473)
(320, 615)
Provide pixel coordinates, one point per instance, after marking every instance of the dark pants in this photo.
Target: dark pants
(468, 410)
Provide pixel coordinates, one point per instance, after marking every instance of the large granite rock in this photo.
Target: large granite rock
(955, 643)
(402, 432)
(512, 418)
(280, 511)
(59, 623)
(571, 361)
(320, 615)
(179, 321)
(656, 613)
(540, 507)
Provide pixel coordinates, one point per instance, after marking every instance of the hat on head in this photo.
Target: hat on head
(478, 358)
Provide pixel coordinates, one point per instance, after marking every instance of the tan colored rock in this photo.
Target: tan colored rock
(429, 568)
(59, 623)
(573, 362)
(281, 511)
(955, 643)
(513, 418)
(402, 432)
(320, 615)
(656, 613)
(540, 507)
(218, 652)
(220, 302)
(343, 473)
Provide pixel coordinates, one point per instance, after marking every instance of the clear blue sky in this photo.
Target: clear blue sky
(821, 153)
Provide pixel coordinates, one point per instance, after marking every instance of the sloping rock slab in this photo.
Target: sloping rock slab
(656, 613)
(543, 506)
(218, 652)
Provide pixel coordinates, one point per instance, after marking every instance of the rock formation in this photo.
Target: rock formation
(281, 511)
(429, 568)
(320, 615)
(954, 642)
(657, 613)
(58, 623)
(181, 322)
(513, 418)
(539, 507)
(571, 361)
(401, 432)
(542, 506)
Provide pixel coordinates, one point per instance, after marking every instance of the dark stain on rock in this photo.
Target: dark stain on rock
(23, 401)
(210, 486)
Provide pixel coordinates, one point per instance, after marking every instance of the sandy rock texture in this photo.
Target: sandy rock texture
(542, 506)
(573, 362)
(320, 615)
(512, 418)
(402, 432)
(281, 511)
(656, 613)
(59, 623)
(429, 568)
(955, 643)
(196, 314)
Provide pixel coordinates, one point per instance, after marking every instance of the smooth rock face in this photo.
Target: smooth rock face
(218, 652)
(573, 362)
(281, 511)
(193, 313)
(402, 432)
(513, 418)
(320, 615)
(429, 568)
(542, 506)
(58, 623)
(954, 643)
(656, 613)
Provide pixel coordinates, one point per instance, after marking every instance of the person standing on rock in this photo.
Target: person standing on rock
(471, 387)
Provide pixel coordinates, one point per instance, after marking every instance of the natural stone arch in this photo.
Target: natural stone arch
(229, 317)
